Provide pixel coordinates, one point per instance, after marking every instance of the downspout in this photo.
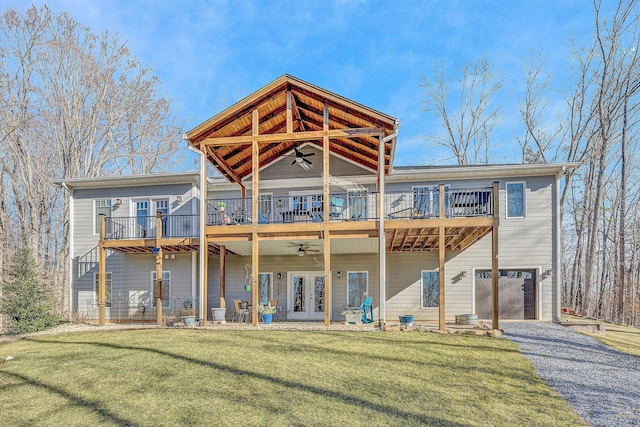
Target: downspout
(557, 271)
(381, 234)
(203, 241)
(70, 302)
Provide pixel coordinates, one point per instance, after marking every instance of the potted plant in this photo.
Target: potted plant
(353, 316)
(188, 316)
(267, 313)
(406, 320)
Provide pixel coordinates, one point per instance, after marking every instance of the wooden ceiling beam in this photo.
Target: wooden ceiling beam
(224, 165)
(296, 136)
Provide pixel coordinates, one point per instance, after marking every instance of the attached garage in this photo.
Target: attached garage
(516, 294)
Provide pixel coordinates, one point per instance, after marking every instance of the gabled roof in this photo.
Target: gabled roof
(354, 129)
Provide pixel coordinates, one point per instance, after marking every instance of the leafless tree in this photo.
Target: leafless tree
(72, 104)
(469, 117)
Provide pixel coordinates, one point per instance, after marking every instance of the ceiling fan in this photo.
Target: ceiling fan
(301, 158)
(304, 249)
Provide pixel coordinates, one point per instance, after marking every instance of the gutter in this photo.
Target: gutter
(203, 244)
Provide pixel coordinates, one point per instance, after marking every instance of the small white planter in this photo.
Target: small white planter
(218, 314)
(353, 318)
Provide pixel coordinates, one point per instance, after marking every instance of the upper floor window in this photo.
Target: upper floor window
(100, 206)
(515, 200)
(430, 289)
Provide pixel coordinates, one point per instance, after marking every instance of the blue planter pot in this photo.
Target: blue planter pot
(406, 320)
(267, 318)
(189, 320)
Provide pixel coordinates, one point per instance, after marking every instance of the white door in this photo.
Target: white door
(306, 295)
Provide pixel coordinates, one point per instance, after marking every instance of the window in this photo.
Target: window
(429, 290)
(143, 221)
(357, 288)
(265, 288)
(102, 206)
(107, 286)
(162, 207)
(515, 200)
(166, 289)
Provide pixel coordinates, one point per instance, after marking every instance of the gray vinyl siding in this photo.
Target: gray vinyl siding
(83, 215)
(523, 243)
(283, 169)
(132, 286)
(236, 276)
(124, 268)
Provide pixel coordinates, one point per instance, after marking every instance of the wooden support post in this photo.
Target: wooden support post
(102, 272)
(255, 169)
(326, 207)
(327, 277)
(289, 112)
(254, 278)
(223, 276)
(255, 191)
(325, 166)
(159, 269)
(495, 305)
(441, 259)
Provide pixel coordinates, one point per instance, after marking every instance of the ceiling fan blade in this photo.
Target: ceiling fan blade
(294, 162)
(309, 154)
(312, 250)
(298, 152)
(308, 161)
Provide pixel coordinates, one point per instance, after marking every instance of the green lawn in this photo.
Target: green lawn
(623, 338)
(206, 377)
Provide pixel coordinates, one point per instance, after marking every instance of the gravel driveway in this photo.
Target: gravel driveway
(601, 384)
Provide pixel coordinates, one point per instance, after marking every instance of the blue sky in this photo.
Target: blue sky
(212, 53)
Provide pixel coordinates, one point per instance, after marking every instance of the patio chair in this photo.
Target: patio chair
(240, 314)
(273, 303)
(367, 310)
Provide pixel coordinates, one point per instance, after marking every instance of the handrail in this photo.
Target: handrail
(144, 227)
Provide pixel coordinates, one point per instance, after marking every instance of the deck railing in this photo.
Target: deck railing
(298, 208)
(419, 203)
(144, 227)
(424, 202)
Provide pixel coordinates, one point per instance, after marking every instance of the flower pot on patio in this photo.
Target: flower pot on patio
(218, 314)
(189, 320)
(406, 320)
(353, 318)
(266, 318)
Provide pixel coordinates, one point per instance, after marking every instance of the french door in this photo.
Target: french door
(306, 295)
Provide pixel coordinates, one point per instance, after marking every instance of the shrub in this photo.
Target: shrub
(26, 302)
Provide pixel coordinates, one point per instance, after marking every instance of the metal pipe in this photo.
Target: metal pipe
(203, 241)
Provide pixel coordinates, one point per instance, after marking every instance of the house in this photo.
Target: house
(308, 209)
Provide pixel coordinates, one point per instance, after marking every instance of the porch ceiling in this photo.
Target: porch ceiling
(124, 249)
(418, 239)
(226, 141)
(426, 238)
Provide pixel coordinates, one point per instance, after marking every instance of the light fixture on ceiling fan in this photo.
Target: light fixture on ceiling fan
(301, 159)
(303, 249)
